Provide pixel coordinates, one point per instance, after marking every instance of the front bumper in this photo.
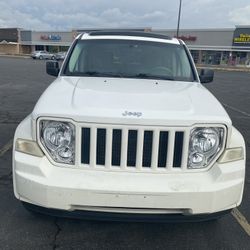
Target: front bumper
(38, 182)
(127, 217)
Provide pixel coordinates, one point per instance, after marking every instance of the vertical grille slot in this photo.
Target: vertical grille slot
(163, 149)
(85, 146)
(116, 147)
(132, 145)
(147, 149)
(100, 146)
(178, 147)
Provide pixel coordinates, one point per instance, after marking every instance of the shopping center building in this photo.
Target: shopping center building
(217, 46)
(208, 46)
(52, 41)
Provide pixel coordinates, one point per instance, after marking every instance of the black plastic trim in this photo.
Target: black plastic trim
(129, 33)
(116, 147)
(132, 148)
(85, 146)
(178, 148)
(108, 216)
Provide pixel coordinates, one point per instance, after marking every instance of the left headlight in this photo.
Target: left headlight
(204, 145)
(58, 138)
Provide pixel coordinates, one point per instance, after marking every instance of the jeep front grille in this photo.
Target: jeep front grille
(134, 148)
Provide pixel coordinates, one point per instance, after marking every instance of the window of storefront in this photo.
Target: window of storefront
(241, 58)
(195, 55)
(225, 57)
(211, 57)
(39, 47)
(63, 48)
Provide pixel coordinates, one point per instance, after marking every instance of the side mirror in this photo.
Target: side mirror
(206, 75)
(52, 68)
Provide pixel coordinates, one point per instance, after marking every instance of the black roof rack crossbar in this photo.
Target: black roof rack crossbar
(129, 33)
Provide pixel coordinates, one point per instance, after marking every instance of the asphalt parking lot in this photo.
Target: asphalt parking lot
(21, 83)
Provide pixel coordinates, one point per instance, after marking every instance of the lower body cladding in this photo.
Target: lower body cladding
(40, 183)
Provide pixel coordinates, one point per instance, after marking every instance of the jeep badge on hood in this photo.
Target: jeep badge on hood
(128, 113)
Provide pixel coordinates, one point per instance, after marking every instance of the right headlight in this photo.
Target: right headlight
(58, 138)
(204, 145)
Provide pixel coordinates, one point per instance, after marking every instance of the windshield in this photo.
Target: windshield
(129, 59)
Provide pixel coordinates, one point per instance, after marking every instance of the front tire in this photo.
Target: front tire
(41, 57)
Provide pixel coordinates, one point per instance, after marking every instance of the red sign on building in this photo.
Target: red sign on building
(188, 38)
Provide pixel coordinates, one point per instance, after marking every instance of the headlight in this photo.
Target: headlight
(204, 145)
(59, 140)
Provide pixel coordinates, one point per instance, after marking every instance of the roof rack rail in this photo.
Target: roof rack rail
(128, 33)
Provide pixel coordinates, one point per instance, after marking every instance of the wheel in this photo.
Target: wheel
(41, 57)
(53, 57)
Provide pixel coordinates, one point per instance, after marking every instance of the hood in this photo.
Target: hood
(130, 101)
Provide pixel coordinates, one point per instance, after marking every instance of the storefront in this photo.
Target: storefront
(9, 41)
(217, 46)
(208, 46)
(241, 43)
(51, 41)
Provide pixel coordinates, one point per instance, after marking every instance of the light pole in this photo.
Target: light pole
(179, 17)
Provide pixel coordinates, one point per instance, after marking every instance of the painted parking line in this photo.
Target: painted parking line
(236, 109)
(241, 219)
(6, 147)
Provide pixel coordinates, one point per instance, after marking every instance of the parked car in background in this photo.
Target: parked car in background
(42, 54)
(60, 55)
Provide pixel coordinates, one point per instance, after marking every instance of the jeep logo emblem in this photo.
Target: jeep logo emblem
(129, 113)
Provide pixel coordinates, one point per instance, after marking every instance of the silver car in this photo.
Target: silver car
(60, 55)
(42, 54)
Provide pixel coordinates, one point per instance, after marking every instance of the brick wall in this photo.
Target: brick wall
(9, 49)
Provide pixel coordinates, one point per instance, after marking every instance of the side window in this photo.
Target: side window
(175, 65)
(183, 72)
(75, 64)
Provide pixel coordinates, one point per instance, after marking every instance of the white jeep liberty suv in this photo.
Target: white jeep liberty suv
(127, 131)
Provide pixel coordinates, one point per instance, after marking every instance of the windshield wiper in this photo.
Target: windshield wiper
(118, 74)
(97, 73)
(151, 76)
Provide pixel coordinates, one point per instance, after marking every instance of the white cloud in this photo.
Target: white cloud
(240, 15)
(68, 14)
(10, 17)
(110, 18)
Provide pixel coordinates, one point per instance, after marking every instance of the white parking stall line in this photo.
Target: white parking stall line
(240, 218)
(6, 147)
(236, 109)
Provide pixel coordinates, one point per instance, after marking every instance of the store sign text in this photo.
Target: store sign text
(51, 37)
(243, 38)
(188, 38)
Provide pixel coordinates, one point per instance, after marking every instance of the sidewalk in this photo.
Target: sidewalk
(26, 56)
(224, 68)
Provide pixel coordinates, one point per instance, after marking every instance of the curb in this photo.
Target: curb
(225, 69)
(15, 56)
